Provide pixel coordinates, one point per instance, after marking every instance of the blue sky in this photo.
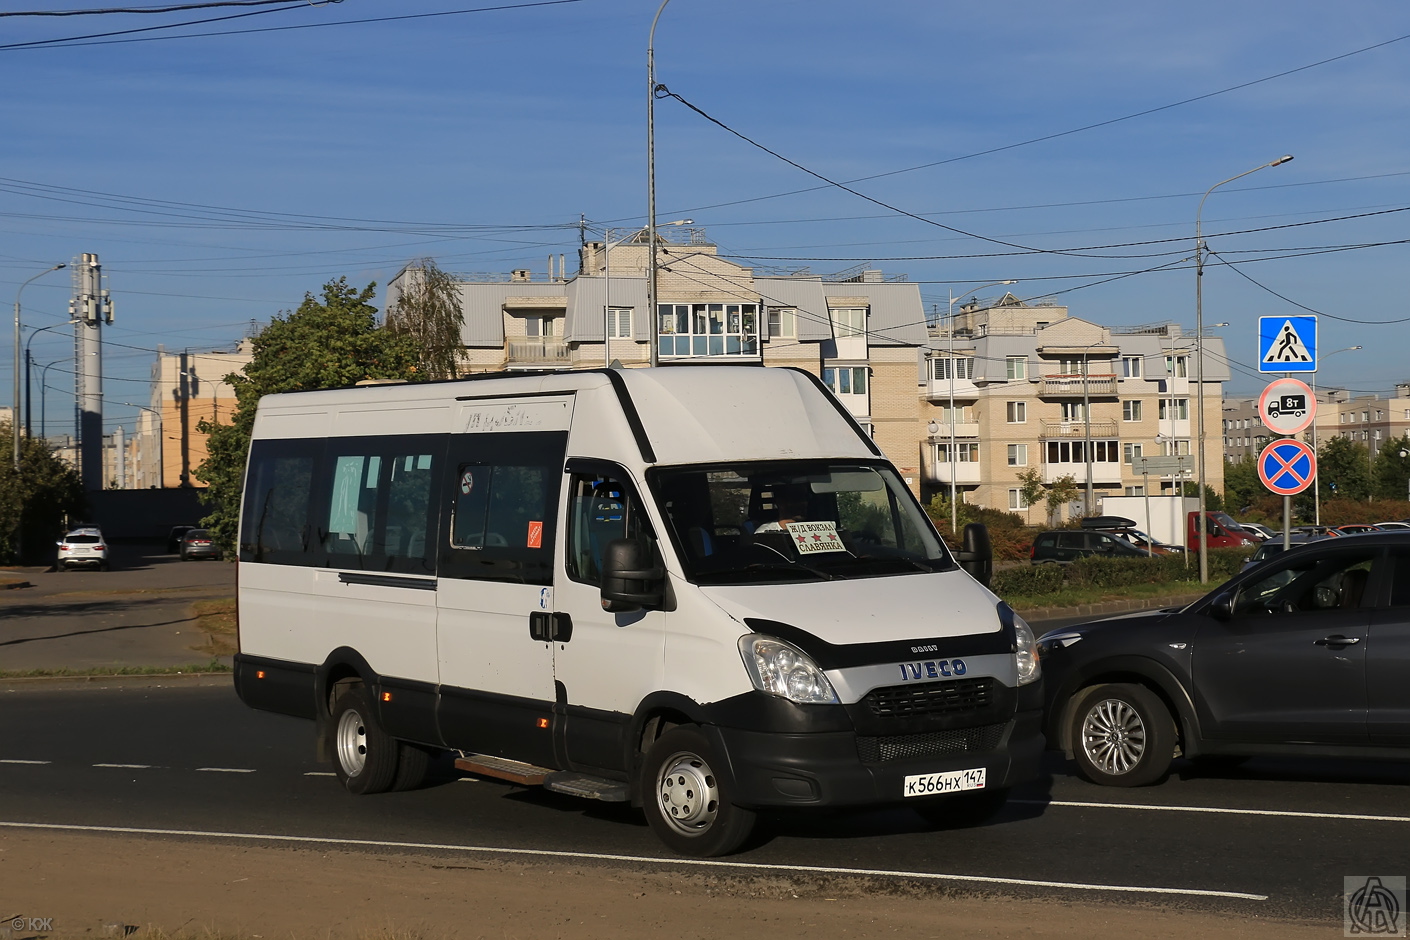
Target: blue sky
(480, 138)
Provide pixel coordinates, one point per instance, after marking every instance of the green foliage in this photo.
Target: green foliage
(1242, 488)
(329, 343)
(1099, 571)
(1212, 500)
(1393, 470)
(1061, 491)
(1010, 535)
(1027, 580)
(430, 313)
(45, 494)
(1345, 469)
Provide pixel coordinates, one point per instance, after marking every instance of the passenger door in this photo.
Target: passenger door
(504, 477)
(1388, 655)
(1290, 665)
(611, 661)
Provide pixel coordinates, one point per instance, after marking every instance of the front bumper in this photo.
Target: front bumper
(825, 769)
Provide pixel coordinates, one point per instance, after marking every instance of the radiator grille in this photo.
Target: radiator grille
(876, 750)
(936, 698)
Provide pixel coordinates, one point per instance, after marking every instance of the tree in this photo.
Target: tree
(46, 492)
(1242, 488)
(331, 343)
(1062, 490)
(1031, 486)
(1393, 470)
(1212, 501)
(1345, 469)
(429, 311)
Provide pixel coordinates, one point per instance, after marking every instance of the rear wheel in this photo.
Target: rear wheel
(413, 766)
(364, 756)
(687, 805)
(1122, 735)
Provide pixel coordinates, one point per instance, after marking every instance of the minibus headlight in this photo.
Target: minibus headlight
(784, 670)
(1025, 652)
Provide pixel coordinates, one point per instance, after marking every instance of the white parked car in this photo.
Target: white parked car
(84, 546)
(1257, 531)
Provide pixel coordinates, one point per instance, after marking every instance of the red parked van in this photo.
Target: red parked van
(1224, 532)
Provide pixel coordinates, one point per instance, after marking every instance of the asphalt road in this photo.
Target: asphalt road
(193, 758)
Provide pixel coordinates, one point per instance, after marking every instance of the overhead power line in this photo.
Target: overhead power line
(101, 11)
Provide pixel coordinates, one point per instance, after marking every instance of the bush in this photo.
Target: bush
(1027, 581)
(1100, 571)
(1011, 537)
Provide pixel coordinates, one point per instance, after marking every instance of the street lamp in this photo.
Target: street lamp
(607, 286)
(28, 395)
(950, 365)
(161, 467)
(1317, 478)
(15, 418)
(1199, 358)
(43, 396)
(651, 180)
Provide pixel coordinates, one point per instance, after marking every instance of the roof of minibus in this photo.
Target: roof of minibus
(689, 414)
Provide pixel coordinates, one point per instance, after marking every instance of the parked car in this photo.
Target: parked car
(1256, 530)
(1223, 531)
(1304, 654)
(1125, 529)
(1393, 525)
(198, 543)
(1357, 529)
(1323, 531)
(173, 538)
(1274, 547)
(1067, 545)
(84, 547)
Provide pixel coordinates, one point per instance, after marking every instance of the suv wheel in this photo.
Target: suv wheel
(1122, 735)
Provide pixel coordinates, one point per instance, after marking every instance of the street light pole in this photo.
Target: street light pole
(44, 398)
(1317, 478)
(651, 183)
(954, 505)
(28, 395)
(15, 417)
(161, 468)
(1199, 359)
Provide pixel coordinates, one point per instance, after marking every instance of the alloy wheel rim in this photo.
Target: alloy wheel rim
(688, 794)
(352, 742)
(1114, 736)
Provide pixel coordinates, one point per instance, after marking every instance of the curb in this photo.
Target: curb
(1106, 608)
(155, 680)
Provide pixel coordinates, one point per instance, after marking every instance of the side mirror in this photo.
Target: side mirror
(977, 554)
(631, 579)
(1222, 607)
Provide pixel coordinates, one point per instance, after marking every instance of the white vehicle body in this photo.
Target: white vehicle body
(442, 545)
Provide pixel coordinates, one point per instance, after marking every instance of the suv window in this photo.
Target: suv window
(1323, 582)
(1075, 540)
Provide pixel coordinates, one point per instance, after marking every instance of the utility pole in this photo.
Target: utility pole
(184, 395)
(91, 308)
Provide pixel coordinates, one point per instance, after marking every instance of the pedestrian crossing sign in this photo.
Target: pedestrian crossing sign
(1287, 344)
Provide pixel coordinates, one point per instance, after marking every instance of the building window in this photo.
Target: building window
(1016, 500)
(848, 321)
(783, 322)
(1017, 411)
(1131, 411)
(619, 323)
(1180, 409)
(1016, 367)
(1343, 416)
(708, 329)
(1174, 448)
(1062, 452)
(963, 414)
(1130, 453)
(963, 368)
(1018, 455)
(850, 380)
(1365, 416)
(1135, 491)
(1177, 366)
(1072, 367)
(1130, 367)
(964, 452)
(539, 327)
(1073, 411)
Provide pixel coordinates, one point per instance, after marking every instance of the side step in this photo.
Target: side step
(559, 781)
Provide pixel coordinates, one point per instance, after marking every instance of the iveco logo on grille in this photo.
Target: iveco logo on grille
(933, 669)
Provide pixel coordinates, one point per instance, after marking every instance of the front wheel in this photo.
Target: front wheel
(1122, 735)
(686, 803)
(364, 756)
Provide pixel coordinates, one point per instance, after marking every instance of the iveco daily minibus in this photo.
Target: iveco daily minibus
(701, 589)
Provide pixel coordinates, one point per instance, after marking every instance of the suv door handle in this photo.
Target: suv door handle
(1337, 640)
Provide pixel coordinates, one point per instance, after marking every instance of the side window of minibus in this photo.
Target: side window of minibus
(377, 504)
(600, 509)
(274, 525)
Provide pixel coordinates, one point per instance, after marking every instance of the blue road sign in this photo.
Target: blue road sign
(1287, 344)
(1287, 466)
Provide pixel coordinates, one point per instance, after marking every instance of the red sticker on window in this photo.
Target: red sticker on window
(536, 535)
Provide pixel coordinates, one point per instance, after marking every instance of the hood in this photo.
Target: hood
(869, 610)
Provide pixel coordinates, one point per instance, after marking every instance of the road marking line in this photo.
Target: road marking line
(127, 766)
(643, 859)
(319, 773)
(225, 770)
(1354, 817)
(14, 760)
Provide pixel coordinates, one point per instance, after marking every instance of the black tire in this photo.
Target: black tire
(413, 766)
(686, 804)
(963, 809)
(364, 756)
(1122, 735)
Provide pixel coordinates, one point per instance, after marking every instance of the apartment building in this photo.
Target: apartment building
(859, 331)
(1368, 420)
(1034, 387)
(1244, 432)
(187, 387)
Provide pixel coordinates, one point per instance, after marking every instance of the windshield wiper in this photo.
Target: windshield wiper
(902, 559)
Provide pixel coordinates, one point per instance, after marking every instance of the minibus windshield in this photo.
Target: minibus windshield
(795, 521)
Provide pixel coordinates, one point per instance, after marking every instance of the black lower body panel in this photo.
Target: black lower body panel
(277, 686)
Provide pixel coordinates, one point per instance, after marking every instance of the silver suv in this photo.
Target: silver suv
(84, 546)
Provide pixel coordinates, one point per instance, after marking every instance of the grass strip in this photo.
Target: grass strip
(213, 667)
(216, 619)
(1072, 597)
